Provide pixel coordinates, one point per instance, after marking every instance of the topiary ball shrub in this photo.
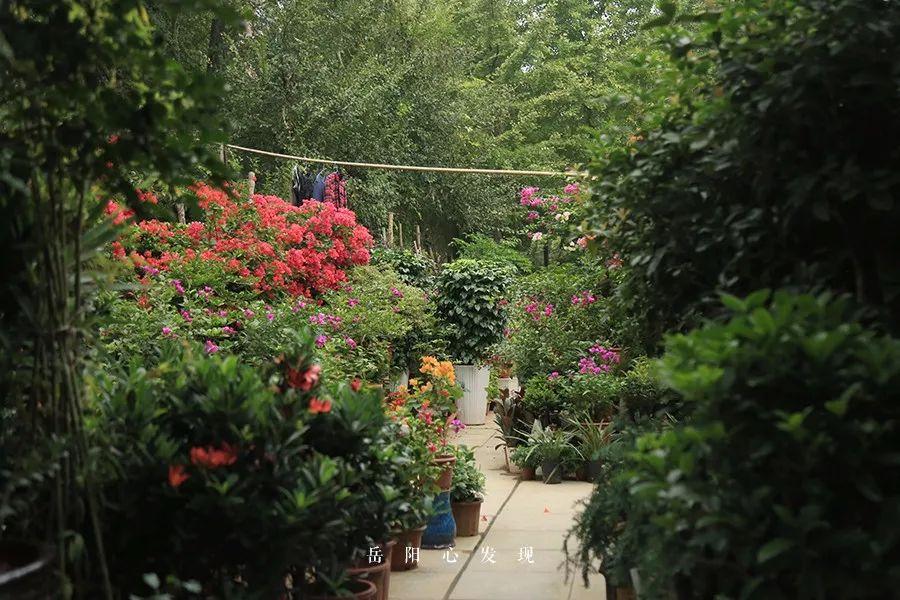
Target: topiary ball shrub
(470, 306)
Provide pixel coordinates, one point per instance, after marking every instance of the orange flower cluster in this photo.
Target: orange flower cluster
(442, 369)
(317, 406)
(177, 475)
(213, 458)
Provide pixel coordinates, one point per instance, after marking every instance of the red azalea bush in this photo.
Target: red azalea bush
(265, 242)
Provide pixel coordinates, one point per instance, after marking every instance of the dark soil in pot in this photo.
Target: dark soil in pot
(594, 468)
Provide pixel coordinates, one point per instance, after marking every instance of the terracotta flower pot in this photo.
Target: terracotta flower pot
(527, 474)
(360, 588)
(401, 559)
(378, 573)
(445, 480)
(467, 516)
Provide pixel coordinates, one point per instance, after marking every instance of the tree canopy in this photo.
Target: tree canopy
(485, 83)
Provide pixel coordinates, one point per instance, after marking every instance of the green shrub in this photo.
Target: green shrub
(641, 392)
(784, 482)
(390, 324)
(598, 395)
(503, 254)
(213, 470)
(773, 165)
(414, 268)
(372, 327)
(598, 529)
(468, 480)
(469, 306)
(595, 395)
(543, 398)
(523, 457)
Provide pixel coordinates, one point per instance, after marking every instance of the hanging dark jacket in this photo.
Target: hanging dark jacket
(301, 186)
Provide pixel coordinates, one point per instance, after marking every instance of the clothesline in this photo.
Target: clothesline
(406, 167)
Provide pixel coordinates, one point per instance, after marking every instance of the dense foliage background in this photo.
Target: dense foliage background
(491, 83)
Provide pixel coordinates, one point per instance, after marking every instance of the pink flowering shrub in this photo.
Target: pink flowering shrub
(551, 218)
(598, 360)
(565, 320)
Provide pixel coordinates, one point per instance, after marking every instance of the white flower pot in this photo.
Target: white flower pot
(472, 407)
(402, 381)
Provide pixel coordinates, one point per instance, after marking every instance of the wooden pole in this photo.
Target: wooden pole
(390, 230)
(251, 183)
(400, 225)
(418, 238)
(383, 236)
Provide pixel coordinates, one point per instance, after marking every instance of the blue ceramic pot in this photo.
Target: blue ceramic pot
(441, 529)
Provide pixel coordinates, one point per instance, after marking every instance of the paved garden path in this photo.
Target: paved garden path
(518, 554)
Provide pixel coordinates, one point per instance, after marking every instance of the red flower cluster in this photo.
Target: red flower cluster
(317, 406)
(177, 475)
(303, 380)
(301, 250)
(211, 457)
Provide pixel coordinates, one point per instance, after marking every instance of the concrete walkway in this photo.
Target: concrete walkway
(518, 554)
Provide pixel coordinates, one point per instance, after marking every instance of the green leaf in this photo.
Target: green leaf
(733, 303)
(774, 548)
(152, 580)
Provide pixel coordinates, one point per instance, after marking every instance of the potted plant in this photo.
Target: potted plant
(415, 482)
(469, 306)
(526, 459)
(467, 492)
(557, 454)
(592, 438)
(507, 414)
(426, 410)
(553, 448)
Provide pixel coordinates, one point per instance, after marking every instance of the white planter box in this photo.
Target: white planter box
(472, 407)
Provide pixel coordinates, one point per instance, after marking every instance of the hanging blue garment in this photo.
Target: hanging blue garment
(318, 190)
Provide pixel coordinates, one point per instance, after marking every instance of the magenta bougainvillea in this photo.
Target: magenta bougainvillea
(264, 241)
